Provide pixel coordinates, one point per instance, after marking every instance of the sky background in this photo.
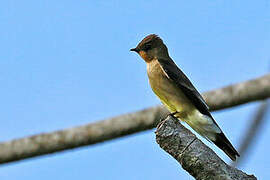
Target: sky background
(66, 63)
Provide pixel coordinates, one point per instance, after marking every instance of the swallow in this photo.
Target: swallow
(178, 94)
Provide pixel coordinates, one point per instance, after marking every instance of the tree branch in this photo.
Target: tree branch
(256, 122)
(123, 125)
(195, 157)
(241, 93)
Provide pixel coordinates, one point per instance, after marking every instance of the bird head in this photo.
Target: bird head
(151, 47)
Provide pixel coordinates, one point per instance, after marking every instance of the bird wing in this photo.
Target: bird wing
(181, 80)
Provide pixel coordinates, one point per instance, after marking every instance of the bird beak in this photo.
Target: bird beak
(134, 49)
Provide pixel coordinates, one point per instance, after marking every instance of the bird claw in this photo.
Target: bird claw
(162, 121)
(173, 113)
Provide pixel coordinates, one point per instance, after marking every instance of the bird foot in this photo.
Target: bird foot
(162, 121)
(173, 113)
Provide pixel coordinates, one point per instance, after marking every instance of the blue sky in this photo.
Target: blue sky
(67, 63)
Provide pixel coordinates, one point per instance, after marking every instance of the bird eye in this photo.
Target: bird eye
(147, 47)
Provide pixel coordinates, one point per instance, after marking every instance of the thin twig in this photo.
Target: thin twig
(256, 122)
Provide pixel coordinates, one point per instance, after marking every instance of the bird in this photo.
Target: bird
(178, 94)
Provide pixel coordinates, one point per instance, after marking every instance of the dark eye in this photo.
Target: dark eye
(147, 47)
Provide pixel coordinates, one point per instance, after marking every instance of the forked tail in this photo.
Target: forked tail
(224, 144)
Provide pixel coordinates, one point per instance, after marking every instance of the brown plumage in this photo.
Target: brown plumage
(178, 94)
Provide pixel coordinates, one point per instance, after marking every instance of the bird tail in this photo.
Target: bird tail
(206, 126)
(224, 144)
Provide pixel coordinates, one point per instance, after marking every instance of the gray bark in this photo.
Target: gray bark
(195, 157)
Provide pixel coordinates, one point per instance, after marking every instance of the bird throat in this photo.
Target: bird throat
(145, 56)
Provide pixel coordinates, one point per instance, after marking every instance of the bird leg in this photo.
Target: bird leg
(162, 121)
(173, 113)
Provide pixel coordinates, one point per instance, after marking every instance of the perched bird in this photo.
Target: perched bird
(178, 94)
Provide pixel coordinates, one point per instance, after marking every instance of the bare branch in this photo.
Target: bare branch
(79, 136)
(256, 122)
(195, 157)
(241, 93)
(125, 124)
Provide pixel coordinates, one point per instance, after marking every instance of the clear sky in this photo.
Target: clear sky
(66, 63)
